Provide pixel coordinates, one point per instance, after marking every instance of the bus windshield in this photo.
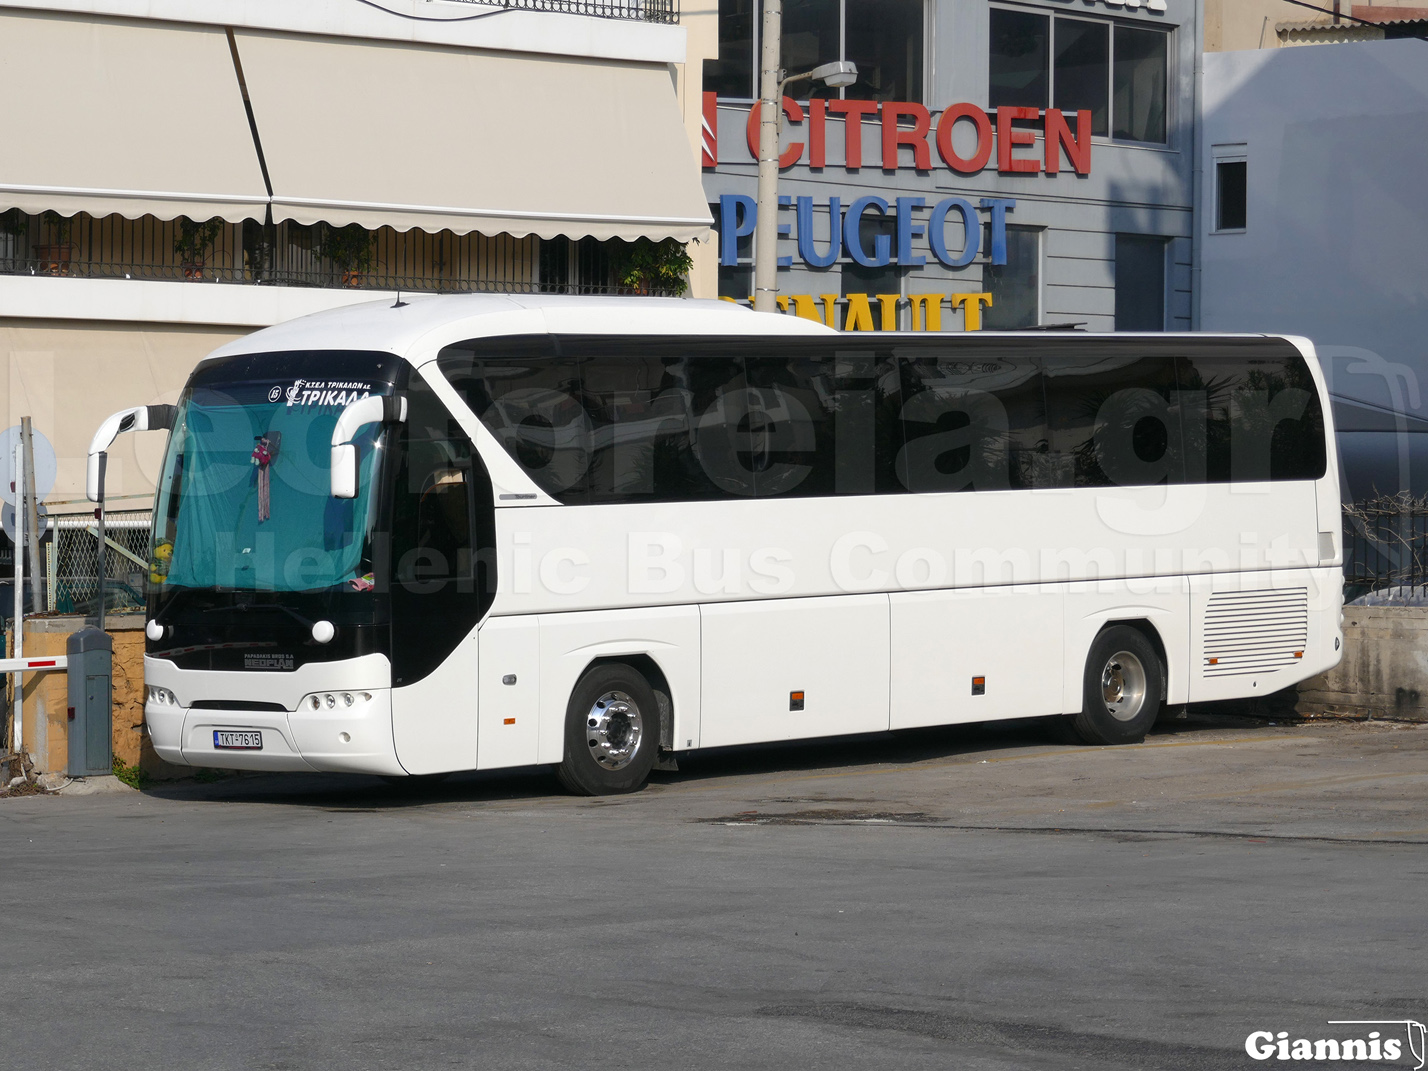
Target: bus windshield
(243, 501)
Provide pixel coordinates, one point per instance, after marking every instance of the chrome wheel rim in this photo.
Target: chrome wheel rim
(1123, 686)
(613, 729)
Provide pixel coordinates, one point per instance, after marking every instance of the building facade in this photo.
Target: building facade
(1311, 224)
(997, 164)
(177, 175)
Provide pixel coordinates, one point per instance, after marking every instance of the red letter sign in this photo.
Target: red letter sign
(1009, 137)
(974, 163)
(893, 135)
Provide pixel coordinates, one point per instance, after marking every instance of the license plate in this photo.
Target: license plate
(235, 741)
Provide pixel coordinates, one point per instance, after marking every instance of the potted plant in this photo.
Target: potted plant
(350, 250)
(645, 267)
(193, 242)
(54, 256)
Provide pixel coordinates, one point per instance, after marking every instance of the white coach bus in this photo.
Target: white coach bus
(485, 531)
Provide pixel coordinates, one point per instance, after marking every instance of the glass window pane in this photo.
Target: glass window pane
(732, 74)
(431, 508)
(810, 38)
(885, 39)
(1140, 84)
(1140, 282)
(973, 421)
(736, 282)
(1232, 195)
(531, 403)
(1016, 285)
(1083, 75)
(1253, 413)
(1018, 59)
(1114, 416)
(788, 431)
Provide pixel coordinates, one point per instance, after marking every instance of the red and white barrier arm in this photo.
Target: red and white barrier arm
(31, 665)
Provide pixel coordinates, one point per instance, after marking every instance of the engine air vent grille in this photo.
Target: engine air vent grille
(1255, 631)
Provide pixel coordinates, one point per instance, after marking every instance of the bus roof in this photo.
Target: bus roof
(424, 321)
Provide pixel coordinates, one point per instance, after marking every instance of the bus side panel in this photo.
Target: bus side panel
(569, 642)
(945, 642)
(1090, 606)
(788, 669)
(508, 703)
(434, 720)
(1257, 632)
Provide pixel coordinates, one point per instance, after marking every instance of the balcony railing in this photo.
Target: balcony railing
(288, 254)
(666, 11)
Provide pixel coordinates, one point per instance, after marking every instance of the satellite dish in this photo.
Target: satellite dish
(45, 467)
(7, 522)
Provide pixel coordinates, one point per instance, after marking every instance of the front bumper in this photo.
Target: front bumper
(354, 738)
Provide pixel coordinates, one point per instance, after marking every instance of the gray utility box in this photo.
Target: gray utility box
(91, 709)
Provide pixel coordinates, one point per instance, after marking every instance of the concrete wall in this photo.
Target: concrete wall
(1384, 672)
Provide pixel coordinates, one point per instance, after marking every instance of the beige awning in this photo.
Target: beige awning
(108, 115)
(402, 135)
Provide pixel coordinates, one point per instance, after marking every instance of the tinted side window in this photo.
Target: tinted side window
(530, 400)
(1258, 415)
(1114, 417)
(442, 536)
(971, 422)
(654, 412)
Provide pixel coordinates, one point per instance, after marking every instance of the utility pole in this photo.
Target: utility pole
(770, 112)
(31, 506)
(772, 83)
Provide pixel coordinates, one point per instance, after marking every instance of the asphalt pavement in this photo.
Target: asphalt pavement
(960, 898)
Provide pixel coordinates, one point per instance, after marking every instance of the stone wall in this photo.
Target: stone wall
(1384, 672)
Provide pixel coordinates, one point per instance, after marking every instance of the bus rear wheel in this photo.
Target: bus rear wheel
(611, 732)
(1123, 685)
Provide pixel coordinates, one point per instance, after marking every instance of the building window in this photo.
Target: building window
(1140, 282)
(1139, 91)
(1016, 285)
(1231, 195)
(1117, 72)
(575, 267)
(885, 38)
(732, 74)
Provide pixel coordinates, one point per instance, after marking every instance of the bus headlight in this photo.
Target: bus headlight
(160, 697)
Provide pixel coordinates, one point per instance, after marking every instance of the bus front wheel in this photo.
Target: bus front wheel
(1122, 689)
(611, 732)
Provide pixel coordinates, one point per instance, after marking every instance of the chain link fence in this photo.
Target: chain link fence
(72, 559)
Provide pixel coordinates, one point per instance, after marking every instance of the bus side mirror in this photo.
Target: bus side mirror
(374, 409)
(138, 418)
(344, 471)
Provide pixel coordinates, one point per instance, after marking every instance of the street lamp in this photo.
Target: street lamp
(771, 87)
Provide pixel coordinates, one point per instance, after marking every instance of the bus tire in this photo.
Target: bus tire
(611, 732)
(1123, 684)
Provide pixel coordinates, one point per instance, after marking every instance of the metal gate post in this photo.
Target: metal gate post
(90, 655)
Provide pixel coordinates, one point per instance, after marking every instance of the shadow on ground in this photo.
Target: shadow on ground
(905, 747)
